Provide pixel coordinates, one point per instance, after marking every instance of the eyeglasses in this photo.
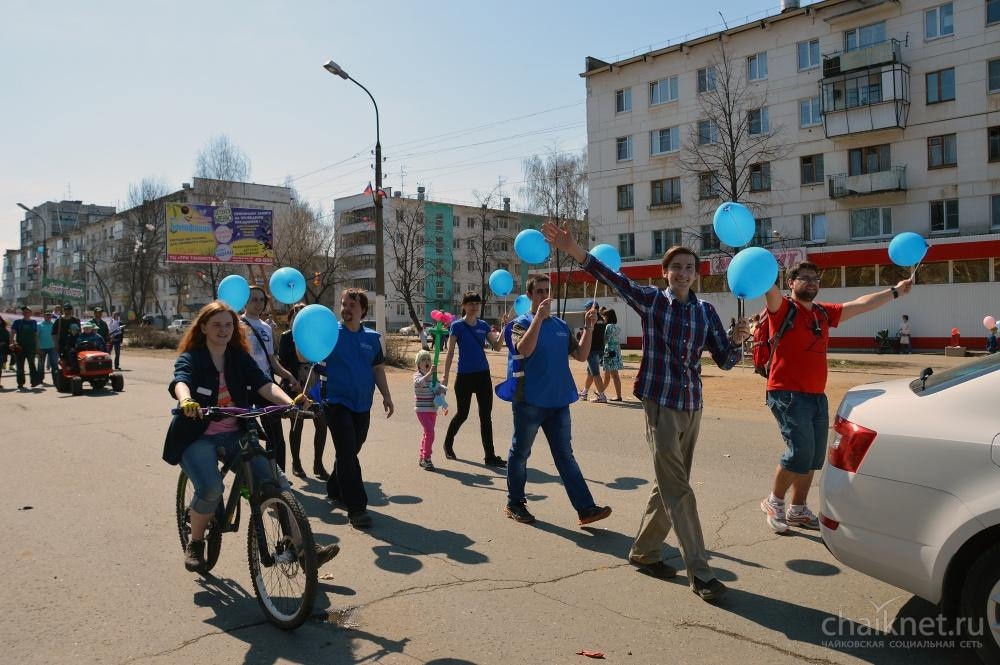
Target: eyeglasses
(808, 280)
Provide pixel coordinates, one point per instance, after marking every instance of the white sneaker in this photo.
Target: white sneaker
(601, 399)
(802, 517)
(775, 515)
(583, 395)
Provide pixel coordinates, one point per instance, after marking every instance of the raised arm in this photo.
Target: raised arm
(871, 301)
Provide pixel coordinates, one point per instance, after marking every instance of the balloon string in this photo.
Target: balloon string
(308, 378)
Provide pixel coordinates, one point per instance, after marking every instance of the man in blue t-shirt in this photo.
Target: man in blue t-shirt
(24, 335)
(47, 348)
(353, 369)
(541, 399)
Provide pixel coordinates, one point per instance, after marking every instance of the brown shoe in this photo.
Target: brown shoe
(594, 514)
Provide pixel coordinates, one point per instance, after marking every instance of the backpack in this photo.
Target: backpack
(765, 344)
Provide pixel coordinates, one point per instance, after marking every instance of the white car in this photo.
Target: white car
(911, 491)
(178, 325)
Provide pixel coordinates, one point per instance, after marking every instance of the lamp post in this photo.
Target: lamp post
(336, 70)
(45, 254)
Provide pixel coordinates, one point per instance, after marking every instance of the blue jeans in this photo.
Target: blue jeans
(201, 464)
(555, 423)
(53, 359)
(803, 420)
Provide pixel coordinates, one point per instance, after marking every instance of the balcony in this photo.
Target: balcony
(844, 62)
(843, 185)
(865, 90)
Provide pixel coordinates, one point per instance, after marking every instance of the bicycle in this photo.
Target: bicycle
(281, 550)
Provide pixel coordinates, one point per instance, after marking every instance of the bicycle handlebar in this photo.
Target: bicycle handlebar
(287, 410)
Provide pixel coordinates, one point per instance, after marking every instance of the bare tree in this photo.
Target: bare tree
(556, 187)
(306, 241)
(490, 244)
(140, 252)
(405, 236)
(731, 147)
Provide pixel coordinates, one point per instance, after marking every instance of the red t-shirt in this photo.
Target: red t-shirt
(800, 360)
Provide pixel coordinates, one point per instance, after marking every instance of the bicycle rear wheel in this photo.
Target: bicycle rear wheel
(213, 535)
(286, 589)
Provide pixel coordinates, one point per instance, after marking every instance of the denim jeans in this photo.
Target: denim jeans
(201, 464)
(555, 423)
(804, 421)
(53, 360)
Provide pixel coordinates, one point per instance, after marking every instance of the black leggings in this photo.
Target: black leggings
(466, 384)
(319, 438)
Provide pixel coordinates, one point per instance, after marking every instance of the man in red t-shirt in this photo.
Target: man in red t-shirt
(796, 385)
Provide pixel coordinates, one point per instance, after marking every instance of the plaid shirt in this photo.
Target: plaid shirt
(674, 334)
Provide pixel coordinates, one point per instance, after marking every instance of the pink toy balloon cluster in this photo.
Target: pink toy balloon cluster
(444, 317)
(990, 322)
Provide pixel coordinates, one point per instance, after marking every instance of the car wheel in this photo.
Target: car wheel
(981, 604)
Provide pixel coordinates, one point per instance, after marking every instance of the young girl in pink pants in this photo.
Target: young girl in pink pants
(423, 404)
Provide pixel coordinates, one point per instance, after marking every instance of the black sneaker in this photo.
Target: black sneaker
(657, 569)
(297, 470)
(709, 590)
(449, 452)
(519, 513)
(594, 514)
(320, 472)
(194, 556)
(427, 465)
(359, 519)
(325, 553)
(496, 461)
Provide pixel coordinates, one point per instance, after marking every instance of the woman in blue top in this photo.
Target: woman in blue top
(471, 334)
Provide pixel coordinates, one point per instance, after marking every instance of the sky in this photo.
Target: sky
(99, 95)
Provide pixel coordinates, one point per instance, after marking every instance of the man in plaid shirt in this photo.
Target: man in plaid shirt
(677, 327)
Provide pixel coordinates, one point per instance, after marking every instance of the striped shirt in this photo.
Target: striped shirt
(423, 395)
(674, 334)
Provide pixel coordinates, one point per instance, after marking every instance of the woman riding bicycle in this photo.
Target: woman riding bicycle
(215, 368)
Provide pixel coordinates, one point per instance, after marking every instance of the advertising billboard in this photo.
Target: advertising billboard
(211, 234)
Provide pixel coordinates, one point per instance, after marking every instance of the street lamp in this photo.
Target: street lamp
(45, 255)
(336, 70)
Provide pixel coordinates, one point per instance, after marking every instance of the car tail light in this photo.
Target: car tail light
(850, 444)
(830, 524)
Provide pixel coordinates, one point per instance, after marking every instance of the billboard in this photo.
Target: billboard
(210, 234)
(63, 290)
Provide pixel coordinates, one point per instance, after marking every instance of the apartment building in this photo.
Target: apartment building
(879, 117)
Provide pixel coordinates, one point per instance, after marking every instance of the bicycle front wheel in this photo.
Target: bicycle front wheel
(213, 535)
(287, 587)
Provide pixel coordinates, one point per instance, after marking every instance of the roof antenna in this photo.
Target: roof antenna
(724, 20)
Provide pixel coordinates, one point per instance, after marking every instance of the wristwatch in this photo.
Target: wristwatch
(895, 292)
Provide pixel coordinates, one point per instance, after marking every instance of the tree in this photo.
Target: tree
(306, 241)
(556, 187)
(140, 251)
(731, 147)
(405, 236)
(487, 246)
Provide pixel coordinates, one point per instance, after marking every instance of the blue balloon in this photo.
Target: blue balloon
(501, 283)
(530, 245)
(607, 255)
(522, 305)
(907, 249)
(752, 272)
(734, 224)
(287, 285)
(315, 331)
(234, 291)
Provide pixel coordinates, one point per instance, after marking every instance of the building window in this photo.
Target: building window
(758, 121)
(470, 222)
(993, 139)
(993, 84)
(439, 222)
(709, 241)
(941, 86)
(810, 113)
(456, 220)
(808, 54)
(623, 148)
(760, 177)
(944, 216)
(814, 227)
(870, 159)
(626, 244)
(665, 192)
(439, 289)
(662, 141)
(470, 243)
(625, 197)
(708, 133)
(871, 223)
(502, 246)
(939, 22)
(470, 266)
(762, 232)
(995, 212)
(992, 11)
(623, 100)
(708, 185)
(706, 80)
(971, 271)
(400, 309)
(941, 151)
(757, 66)
(458, 243)
(664, 239)
(811, 169)
(502, 223)
(663, 91)
(864, 36)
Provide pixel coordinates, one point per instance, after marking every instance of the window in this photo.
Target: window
(439, 222)
(814, 227)
(758, 122)
(871, 223)
(760, 177)
(941, 86)
(864, 36)
(993, 84)
(707, 132)
(993, 139)
(470, 222)
(456, 220)
(708, 185)
(709, 240)
(501, 246)
(808, 54)
(966, 272)
(762, 231)
(859, 276)
(859, 90)
(458, 243)
(470, 266)
(625, 197)
(662, 141)
(870, 159)
(810, 113)
(623, 146)
(663, 91)
(995, 212)
(757, 66)
(626, 244)
(665, 192)
(400, 309)
(941, 151)
(502, 223)
(811, 169)
(664, 239)
(944, 216)
(439, 245)
(706, 80)
(939, 22)
(439, 289)
(623, 100)
(992, 11)
(470, 243)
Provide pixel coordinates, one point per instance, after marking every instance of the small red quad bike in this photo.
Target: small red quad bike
(92, 366)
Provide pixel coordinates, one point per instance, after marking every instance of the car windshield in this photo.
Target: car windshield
(959, 374)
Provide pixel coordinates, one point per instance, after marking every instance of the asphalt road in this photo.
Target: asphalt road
(94, 567)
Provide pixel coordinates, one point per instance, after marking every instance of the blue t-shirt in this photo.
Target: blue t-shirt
(350, 379)
(45, 335)
(547, 381)
(471, 340)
